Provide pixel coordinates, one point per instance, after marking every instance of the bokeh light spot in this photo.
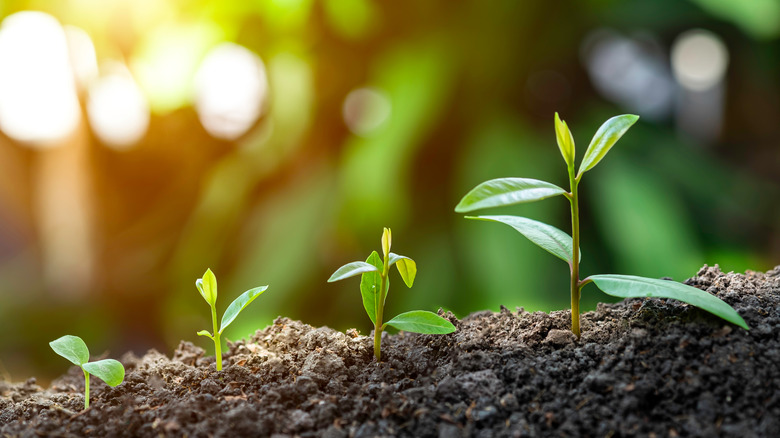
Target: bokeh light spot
(38, 100)
(83, 59)
(231, 89)
(699, 59)
(366, 110)
(117, 109)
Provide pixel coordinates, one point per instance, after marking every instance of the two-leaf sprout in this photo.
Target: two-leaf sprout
(75, 350)
(374, 284)
(207, 286)
(508, 191)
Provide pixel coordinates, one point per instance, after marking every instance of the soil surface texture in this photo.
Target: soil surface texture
(643, 367)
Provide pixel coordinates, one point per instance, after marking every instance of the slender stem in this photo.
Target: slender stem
(575, 266)
(217, 341)
(86, 388)
(380, 307)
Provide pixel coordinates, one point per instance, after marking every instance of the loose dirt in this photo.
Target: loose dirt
(647, 367)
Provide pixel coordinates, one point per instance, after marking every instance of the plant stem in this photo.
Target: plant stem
(86, 388)
(217, 342)
(380, 307)
(575, 265)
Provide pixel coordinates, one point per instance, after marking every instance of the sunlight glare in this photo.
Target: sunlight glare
(230, 91)
(117, 109)
(38, 100)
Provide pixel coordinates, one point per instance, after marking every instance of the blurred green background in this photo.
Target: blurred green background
(143, 141)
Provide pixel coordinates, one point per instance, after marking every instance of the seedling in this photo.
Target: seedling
(75, 350)
(374, 284)
(207, 286)
(508, 191)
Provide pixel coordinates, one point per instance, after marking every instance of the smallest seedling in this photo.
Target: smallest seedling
(207, 286)
(75, 350)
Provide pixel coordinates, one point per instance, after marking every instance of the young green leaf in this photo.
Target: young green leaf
(108, 370)
(387, 241)
(72, 348)
(204, 333)
(350, 270)
(549, 238)
(421, 321)
(629, 286)
(207, 286)
(406, 267)
(565, 141)
(239, 304)
(507, 191)
(609, 133)
(370, 283)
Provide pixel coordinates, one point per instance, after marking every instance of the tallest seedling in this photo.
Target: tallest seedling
(509, 191)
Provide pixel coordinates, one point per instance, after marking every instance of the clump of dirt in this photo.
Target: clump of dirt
(647, 367)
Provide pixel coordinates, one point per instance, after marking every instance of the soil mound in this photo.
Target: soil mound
(643, 367)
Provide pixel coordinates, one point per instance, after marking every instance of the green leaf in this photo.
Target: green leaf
(387, 241)
(72, 348)
(406, 267)
(350, 270)
(108, 370)
(207, 286)
(629, 286)
(549, 238)
(205, 333)
(565, 141)
(606, 137)
(421, 321)
(370, 283)
(507, 191)
(239, 304)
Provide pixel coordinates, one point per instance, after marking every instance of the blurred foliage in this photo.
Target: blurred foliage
(300, 194)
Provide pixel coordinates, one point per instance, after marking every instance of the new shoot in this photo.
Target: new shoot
(207, 286)
(508, 191)
(75, 350)
(374, 284)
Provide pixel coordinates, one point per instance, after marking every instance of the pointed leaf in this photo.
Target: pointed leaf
(551, 239)
(239, 304)
(205, 333)
(507, 191)
(629, 286)
(72, 348)
(370, 283)
(406, 267)
(108, 370)
(565, 141)
(606, 137)
(350, 270)
(207, 286)
(387, 241)
(421, 321)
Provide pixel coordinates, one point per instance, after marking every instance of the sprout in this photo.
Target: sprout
(207, 286)
(75, 350)
(374, 284)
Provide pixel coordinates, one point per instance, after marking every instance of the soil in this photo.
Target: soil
(647, 367)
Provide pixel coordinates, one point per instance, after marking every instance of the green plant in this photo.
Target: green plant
(75, 350)
(207, 286)
(374, 284)
(508, 191)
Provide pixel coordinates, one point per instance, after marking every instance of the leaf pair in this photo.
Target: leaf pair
(207, 286)
(75, 350)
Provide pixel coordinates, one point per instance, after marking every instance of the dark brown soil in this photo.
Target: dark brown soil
(643, 367)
